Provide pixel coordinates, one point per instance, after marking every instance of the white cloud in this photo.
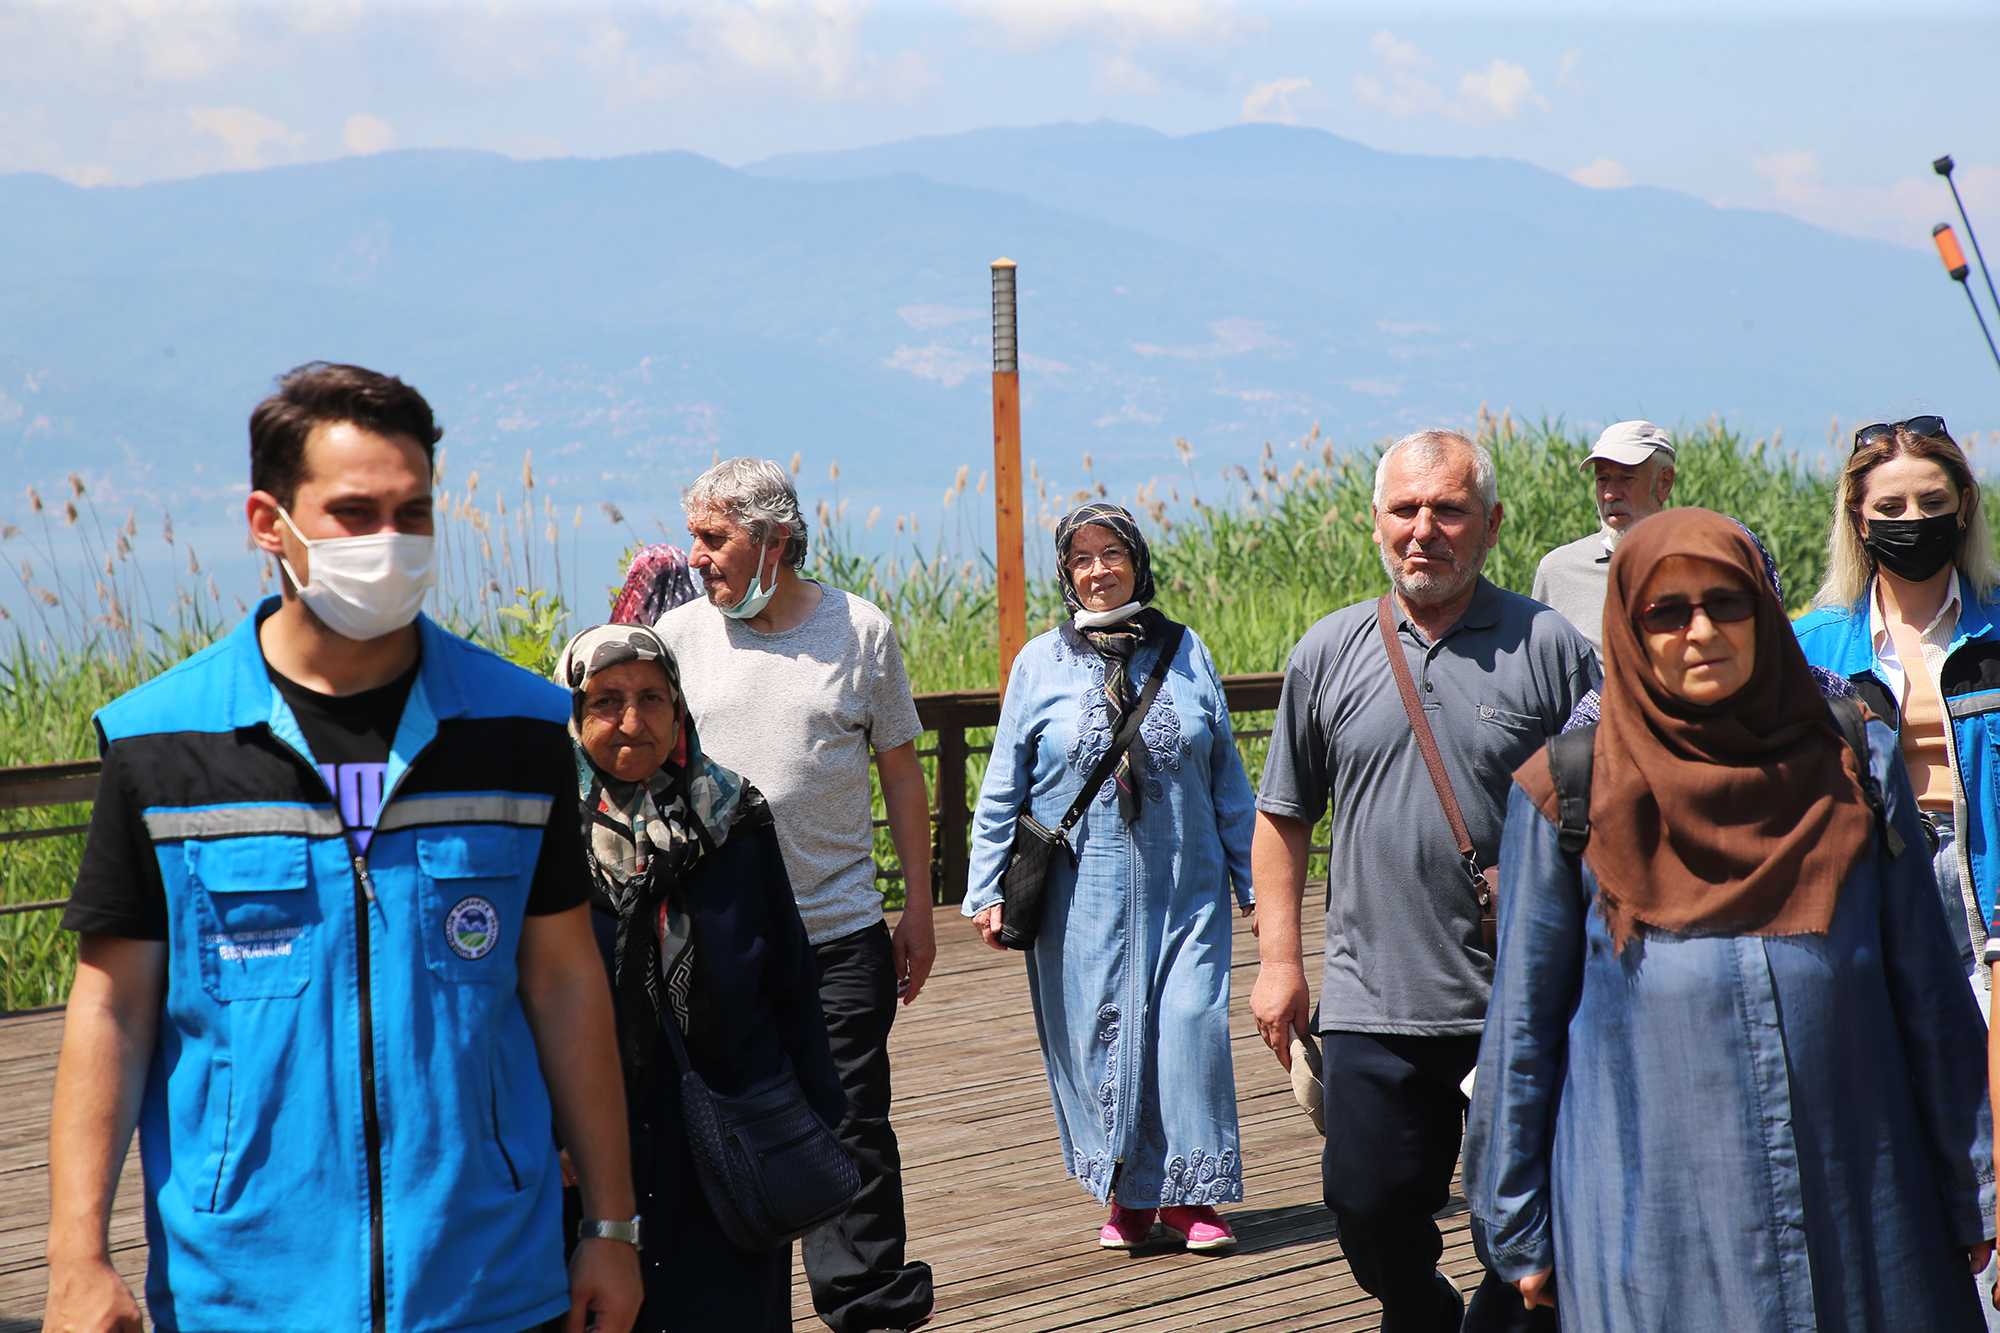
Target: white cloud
(1502, 89)
(1117, 76)
(1398, 55)
(1603, 174)
(1232, 338)
(85, 174)
(1034, 25)
(1568, 75)
(947, 365)
(1499, 91)
(922, 317)
(244, 131)
(813, 48)
(1903, 211)
(368, 134)
(1273, 101)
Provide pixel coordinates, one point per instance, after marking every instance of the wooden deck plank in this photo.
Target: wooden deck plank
(1011, 1237)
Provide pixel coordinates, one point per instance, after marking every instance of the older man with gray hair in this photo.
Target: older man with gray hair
(1403, 996)
(1632, 474)
(793, 684)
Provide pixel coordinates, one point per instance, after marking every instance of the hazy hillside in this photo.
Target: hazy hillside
(625, 318)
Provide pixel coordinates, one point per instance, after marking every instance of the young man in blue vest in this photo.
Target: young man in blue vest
(335, 962)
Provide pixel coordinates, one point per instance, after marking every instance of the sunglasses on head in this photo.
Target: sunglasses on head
(1722, 608)
(1930, 427)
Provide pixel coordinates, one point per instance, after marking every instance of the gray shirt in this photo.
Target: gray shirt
(797, 713)
(1403, 948)
(1572, 579)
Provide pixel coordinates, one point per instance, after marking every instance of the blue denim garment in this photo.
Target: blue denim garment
(1733, 1132)
(1130, 974)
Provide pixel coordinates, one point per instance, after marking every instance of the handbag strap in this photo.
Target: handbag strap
(1122, 742)
(1427, 743)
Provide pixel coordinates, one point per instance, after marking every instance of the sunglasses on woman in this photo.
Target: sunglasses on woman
(1722, 608)
(1929, 427)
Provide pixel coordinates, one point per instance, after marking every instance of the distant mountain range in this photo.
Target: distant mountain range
(627, 318)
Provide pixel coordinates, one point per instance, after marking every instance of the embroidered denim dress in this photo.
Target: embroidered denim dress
(1767, 1134)
(1130, 974)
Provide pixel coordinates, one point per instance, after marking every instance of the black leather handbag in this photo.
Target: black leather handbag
(1024, 884)
(770, 1167)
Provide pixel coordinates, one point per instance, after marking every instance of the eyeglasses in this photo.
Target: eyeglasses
(1722, 608)
(1929, 427)
(1112, 558)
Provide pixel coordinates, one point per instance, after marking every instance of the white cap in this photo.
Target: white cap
(1630, 443)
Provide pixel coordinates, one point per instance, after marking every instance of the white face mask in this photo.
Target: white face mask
(364, 587)
(759, 596)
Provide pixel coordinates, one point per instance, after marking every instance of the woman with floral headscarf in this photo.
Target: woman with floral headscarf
(1130, 972)
(695, 918)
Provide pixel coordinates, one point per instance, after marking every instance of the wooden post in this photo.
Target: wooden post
(954, 830)
(1013, 589)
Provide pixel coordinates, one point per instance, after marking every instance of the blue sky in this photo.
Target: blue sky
(1828, 111)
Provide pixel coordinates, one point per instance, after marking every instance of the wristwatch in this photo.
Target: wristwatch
(599, 1228)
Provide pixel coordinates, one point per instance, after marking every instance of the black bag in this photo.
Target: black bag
(1024, 883)
(770, 1167)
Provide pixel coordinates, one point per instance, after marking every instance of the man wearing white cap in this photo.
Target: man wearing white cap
(1633, 471)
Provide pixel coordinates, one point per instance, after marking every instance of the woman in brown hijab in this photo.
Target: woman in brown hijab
(1730, 1077)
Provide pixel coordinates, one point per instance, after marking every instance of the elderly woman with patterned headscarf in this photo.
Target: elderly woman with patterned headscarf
(696, 922)
(1730, 1076)
(1130, 970)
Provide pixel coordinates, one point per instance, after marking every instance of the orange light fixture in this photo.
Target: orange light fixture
(1948, 251)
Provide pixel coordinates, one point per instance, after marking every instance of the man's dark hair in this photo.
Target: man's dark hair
(321, 392)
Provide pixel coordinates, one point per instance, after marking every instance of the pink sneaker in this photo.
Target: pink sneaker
(1127, 1229)
(1202, 1229)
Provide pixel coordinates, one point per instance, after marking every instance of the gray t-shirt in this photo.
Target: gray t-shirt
(797, 713)
(1403, 948)
(1572, 579)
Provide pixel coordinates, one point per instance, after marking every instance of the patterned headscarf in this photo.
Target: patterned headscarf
(1118, 641)
(644, 836)
(1119, 520)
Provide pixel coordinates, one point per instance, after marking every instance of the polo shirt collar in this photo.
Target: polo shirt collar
(1483, 612)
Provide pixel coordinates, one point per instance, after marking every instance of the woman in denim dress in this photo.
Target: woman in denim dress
(1730, 1077)
(1130, 971)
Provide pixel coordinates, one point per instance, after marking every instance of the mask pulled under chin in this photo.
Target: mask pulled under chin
(1099, 619)
(364, 587)
(759, 596)
(1913, 548)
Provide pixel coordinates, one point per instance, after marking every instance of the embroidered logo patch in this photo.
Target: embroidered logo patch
(472, 928)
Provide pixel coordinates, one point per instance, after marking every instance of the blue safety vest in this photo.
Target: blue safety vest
(345, 1126)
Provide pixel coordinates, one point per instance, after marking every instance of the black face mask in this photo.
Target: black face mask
(1913, 548)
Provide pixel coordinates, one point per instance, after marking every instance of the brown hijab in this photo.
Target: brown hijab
(1742, 817)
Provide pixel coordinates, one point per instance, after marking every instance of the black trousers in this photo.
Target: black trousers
(1394, 1121)
(855, 1263)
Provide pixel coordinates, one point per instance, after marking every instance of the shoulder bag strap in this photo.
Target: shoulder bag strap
(1126, 733)
(1572, 756)
(1854, 730)
(1407, 687)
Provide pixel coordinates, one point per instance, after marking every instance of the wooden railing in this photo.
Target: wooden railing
(948, 716)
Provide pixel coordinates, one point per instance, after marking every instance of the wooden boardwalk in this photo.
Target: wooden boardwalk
(1012, 1239)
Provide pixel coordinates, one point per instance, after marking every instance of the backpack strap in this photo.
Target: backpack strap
(1848, 721)
(1571, 757)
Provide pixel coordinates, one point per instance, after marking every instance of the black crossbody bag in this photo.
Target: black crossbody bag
(1024, 884)
(770, 1167)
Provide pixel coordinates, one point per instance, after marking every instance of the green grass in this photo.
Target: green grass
(1282, 544)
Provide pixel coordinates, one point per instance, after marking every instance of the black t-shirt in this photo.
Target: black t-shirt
(118, 886)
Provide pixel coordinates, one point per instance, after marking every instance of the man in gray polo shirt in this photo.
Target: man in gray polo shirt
(1632, 474)
(1407, 977)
